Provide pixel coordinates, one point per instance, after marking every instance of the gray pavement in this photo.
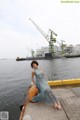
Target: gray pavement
(70, 102)
(71, 107)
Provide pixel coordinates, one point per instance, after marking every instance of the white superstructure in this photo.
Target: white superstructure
(41, 52)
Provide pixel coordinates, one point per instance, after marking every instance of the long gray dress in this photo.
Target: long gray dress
(45, 94)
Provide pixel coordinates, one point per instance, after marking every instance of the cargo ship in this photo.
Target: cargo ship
(46, 53)
(53, 51)
(46, 57)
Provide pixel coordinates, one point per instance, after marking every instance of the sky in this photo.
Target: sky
(18, 35)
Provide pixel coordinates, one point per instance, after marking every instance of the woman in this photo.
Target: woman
(45, 94)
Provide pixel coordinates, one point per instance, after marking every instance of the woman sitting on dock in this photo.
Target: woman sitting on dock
(45, 94)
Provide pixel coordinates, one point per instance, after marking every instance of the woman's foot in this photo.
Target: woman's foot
(57, 106)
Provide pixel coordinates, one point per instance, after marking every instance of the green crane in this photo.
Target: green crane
(62, 46)
(51, 40)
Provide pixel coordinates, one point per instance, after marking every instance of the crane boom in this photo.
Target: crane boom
(53, 32)
(41, 31)
(50, 38)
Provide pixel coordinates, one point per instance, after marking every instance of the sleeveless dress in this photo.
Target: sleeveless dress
(45, 94)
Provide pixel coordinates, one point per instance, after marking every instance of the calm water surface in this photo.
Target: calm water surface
(16, 76)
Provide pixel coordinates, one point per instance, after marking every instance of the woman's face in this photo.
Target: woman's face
(34, 65)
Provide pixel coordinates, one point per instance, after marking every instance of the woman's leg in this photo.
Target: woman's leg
(56, 103)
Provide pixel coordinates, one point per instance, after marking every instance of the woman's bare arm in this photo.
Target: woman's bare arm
(33, 73)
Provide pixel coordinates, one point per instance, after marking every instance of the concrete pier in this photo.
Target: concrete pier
(70, 101)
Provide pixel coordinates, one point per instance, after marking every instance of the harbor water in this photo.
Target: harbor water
(16, 76)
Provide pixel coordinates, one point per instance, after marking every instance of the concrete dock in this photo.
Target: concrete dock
(70, 101)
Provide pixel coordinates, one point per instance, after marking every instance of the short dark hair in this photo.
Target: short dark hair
(34, 62)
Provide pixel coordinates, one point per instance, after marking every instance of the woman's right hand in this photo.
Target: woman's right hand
(35, 86)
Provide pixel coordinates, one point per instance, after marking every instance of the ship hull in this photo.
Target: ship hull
(39, 58)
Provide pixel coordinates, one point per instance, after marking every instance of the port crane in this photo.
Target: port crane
(62, 45)
(51, 40)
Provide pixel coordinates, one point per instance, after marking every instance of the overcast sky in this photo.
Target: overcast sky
(18, 35)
